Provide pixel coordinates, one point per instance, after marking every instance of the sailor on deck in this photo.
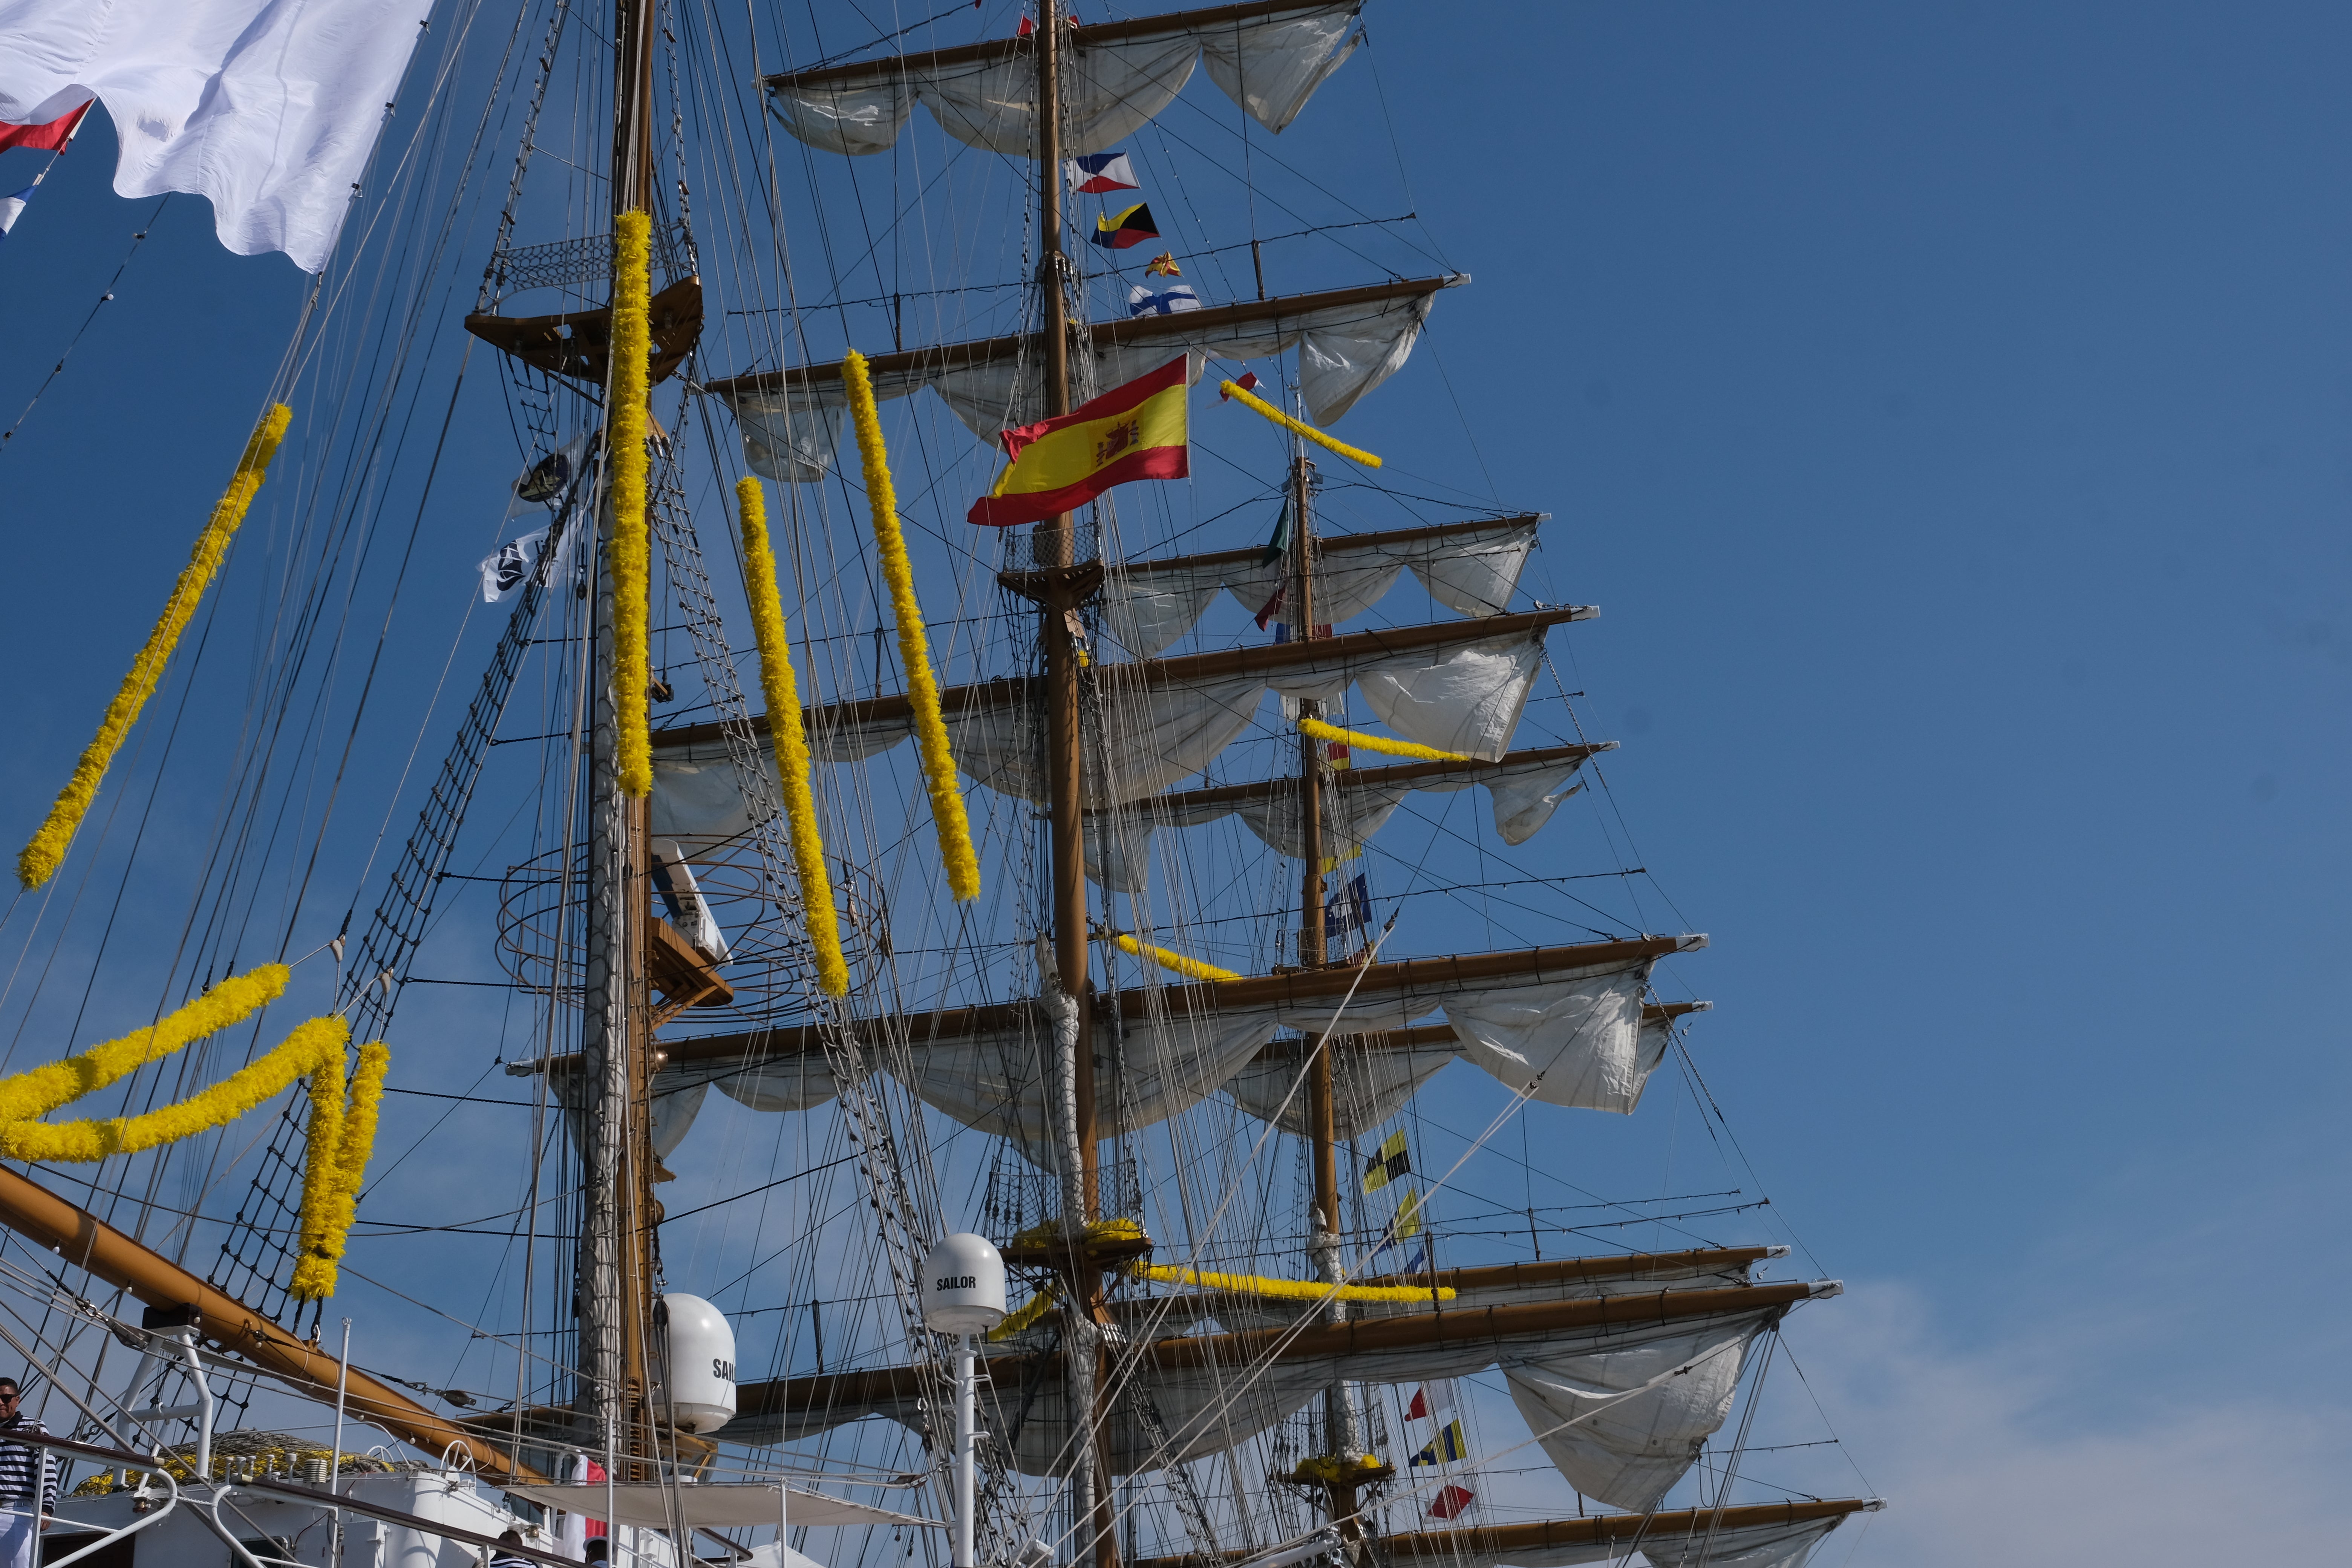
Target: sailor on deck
(28, 1484)
(511, 1559)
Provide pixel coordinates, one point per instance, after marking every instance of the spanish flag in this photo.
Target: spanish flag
(1131, 432)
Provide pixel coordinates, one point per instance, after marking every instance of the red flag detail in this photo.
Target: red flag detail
(50, 138)
(1027, 27)
(1419, 1409)
(1450, 1502)
(1271, 608)
(1247, 383)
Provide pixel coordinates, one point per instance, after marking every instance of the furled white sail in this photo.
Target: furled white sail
(1525, 789)
(1115, 79)
(1646, 1433)
(1583, 1044)
(1629, 1448)
(1578, 1033)
(1473, 569)
(1349, 341)
(1465, 696)
(1777, 1545)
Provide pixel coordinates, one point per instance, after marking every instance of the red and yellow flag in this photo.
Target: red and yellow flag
(1131, 432)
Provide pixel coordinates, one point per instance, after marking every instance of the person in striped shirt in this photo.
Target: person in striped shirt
(28, 1484)
(511, 1559)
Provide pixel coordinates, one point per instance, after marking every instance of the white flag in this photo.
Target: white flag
(268, 108)
(508, 570)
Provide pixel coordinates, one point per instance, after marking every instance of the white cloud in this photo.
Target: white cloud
(2034, 1450)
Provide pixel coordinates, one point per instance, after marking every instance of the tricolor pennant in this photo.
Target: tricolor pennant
(1117, 231)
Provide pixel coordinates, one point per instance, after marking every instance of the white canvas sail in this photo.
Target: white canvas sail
(1116, 78)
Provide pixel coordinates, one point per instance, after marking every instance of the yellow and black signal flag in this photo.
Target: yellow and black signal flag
(1131, 432)
(1117, 231)
(1386, 1165)
(1452, 1447)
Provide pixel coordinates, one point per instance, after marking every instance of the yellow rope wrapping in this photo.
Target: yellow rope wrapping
(630, 551)
(922, 691)
(43, 1088)
(330, 1188)
(40, 859)
(782, 692)
(1259, 404)
(1027, 1313)
(1329, 1468)
(1282, 1289)
(1117, 1229)
(1193, 968)
(1357, 738)
(82, 1143)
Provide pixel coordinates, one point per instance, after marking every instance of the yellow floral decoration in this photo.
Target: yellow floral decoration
(342, 1135)
(1281, 1289)
(1358, 739)
(41, 857)
(923, 690)
(630, 553)
(784, 731)
(1193, 968)
(1251, 401)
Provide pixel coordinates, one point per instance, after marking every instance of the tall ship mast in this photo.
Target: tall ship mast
(1136, 878)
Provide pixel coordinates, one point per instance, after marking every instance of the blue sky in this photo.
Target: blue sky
(1947, 405)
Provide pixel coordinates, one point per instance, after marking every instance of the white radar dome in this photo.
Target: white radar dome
(964, 1285)
(701, 1386)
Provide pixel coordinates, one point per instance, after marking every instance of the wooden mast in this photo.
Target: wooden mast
(617, 1266)
(1342, 1431)
(1061, 584)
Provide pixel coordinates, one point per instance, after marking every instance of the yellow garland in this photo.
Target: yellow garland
(1095, 1230)
(1282, 1290)
(43, 1088)
(1329, 1468)
(82, 1143)
(1191, 967)
(1357, 738)
(1252, 401)
(922, 691)
(330, 1186)
(1027, 1313)
(40, 859)
(630, 551)
(782, 692)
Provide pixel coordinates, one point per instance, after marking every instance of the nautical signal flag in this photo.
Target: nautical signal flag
(12, 207)
(1451, 1447)
(1131, 432)
(50, 138)
(1387, 1165)
(1164, 266)
(1117, 231)
(1099, 171)
(1452, 1503)
(1142, 301)
(1350, 908)
(1431, 1400)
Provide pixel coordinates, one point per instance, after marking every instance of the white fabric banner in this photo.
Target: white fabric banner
(1752, 1546)
(268, 108)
